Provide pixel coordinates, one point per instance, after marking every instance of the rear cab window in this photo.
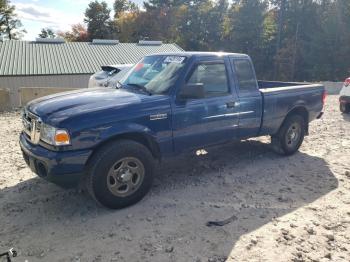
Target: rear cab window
(245, 76)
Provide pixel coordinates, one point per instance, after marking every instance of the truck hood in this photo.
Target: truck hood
(59, 107)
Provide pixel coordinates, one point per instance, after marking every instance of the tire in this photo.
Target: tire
(344, 108)
(290, 136)
(120, 174)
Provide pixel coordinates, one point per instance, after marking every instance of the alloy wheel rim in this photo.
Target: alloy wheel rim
(293, 135)
(125, 176)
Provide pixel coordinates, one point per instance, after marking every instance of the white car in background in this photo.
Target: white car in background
(109, 76)
(344, 98)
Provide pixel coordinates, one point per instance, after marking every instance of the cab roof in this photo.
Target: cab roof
(203, 54)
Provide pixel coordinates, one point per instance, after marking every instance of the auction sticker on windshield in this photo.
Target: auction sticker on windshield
(174, 59)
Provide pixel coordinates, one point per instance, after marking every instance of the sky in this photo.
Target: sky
(57, 14)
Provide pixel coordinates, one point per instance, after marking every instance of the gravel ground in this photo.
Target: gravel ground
(282, 208)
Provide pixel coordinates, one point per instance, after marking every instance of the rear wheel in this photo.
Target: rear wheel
(344, 108)
(120, 174)
(290, 136)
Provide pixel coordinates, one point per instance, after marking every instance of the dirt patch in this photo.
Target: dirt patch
(285, 208)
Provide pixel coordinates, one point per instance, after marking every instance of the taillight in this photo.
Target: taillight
(324, 96)
(347, 82)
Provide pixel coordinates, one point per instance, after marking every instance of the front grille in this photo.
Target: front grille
(31, 126)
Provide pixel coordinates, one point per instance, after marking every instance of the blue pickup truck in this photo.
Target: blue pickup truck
(111, 139)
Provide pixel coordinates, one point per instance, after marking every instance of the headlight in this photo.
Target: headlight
(54, 136)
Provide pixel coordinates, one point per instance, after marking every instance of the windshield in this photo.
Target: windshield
(155, 74)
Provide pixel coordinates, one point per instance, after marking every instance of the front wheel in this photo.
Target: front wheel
(290, 136)
(120, 174)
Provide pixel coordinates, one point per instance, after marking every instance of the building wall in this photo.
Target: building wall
(14, 83)
(4, 99)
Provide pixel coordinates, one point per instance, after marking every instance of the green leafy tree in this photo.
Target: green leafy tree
(300, 23)
(9, 22)
(98, 20)
(122, 6)
(314, 37)
(246, 28)
(200, 25)
(265, 69)
(129, 27)
(164, 4)
(47, 33)
(160, 19)
(3, 7)
(216, 15)
(340, 19)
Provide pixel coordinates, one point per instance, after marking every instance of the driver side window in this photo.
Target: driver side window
(213, 77)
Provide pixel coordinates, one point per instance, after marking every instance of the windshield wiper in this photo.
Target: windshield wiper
(140, 87)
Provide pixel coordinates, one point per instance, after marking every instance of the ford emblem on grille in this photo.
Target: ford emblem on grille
(31, 126)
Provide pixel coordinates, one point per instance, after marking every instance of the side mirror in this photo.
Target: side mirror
(192, 91)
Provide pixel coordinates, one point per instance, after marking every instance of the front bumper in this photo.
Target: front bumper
(64, 168)
(344, 99)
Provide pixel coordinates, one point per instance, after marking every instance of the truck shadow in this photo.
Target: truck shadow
(346, 117)
(243, 179)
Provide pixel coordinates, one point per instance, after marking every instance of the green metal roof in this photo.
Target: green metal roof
(27, 58)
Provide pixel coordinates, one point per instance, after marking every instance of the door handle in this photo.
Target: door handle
(231, 104)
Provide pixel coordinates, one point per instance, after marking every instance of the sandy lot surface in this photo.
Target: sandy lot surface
(284, 208)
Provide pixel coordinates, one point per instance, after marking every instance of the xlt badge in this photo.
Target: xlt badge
(158, 117)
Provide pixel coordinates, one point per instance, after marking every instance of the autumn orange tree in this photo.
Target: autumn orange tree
(78, 33)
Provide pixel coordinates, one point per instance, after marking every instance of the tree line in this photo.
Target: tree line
(290, 40)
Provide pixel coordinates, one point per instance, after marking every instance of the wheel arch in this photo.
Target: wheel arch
(301, 111)
(144, 139)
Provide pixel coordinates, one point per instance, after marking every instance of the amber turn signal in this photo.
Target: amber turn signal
(62, 137)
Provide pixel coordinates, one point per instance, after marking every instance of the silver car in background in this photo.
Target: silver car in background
(109, 76)
(344, 98)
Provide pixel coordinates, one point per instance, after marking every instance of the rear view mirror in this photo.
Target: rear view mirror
(192, 91)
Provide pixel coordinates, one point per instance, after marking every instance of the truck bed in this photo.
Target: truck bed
(277, 84)
(280, 98)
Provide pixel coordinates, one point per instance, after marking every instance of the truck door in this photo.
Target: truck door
(250, 99)
(209, 120)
